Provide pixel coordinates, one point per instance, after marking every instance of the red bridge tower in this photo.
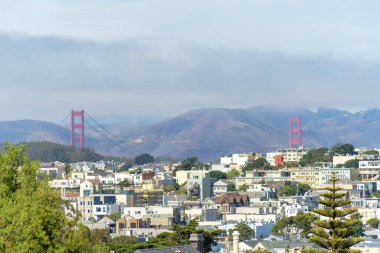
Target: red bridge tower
(77, 128)
(295, 133)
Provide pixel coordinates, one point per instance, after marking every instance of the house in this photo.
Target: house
(219, 187)
(292, 209)
(176, 249)
(276, 246)
(228, 202)
(368, 246)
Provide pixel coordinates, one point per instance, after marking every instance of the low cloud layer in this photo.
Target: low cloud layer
(45, 77)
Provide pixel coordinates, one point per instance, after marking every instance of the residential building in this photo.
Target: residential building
(292, 154)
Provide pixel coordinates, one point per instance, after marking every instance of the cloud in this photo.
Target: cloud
(45, 77)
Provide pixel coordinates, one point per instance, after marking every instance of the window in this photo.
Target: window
(86, 193)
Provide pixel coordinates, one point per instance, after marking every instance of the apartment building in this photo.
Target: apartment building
(291, 154)
(369, 169)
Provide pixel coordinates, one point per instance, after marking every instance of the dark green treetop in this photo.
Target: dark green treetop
(336, 233)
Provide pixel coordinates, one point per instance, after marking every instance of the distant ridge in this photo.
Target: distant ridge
(210, 133)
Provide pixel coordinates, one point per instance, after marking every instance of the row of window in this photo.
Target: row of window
(83, 203)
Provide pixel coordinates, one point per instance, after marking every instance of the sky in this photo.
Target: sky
(151, 59)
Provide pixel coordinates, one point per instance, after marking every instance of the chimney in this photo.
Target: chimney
(235, 239)
(196, 241)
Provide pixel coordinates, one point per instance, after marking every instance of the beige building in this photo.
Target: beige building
(367, 213)
(292, 154)
(310, 176)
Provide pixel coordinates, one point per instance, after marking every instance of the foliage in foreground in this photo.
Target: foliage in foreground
(32, 218)
(299, 224)
(337, 233)
(179, 236)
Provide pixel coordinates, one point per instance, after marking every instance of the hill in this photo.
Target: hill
(210, 133)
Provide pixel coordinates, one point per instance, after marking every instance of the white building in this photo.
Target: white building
(65, 183)
(341, 159)
(219, 187)
(292, 154)
(369, 169)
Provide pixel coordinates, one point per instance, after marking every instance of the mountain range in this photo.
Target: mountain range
(210, 133)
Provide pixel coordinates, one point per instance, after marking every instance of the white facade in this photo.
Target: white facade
(239, 159)
(292, 154)
(139, 212)
(369, 169)
(341, 159)
(340, 173)
(220, 187)
(270, 158)
(65, 183)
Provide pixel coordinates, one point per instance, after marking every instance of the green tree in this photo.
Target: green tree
(232, 174)
(353, 163)
(300, 224)
(292, 164)
(260, 163)
(144, 159)
(243, 188)
(246, 233)
(337, 233)
(315, 155)
(373, 223)
(342, 149)
(231, 187)
(287, 190)
(127, 164)
(371, 152)
(218, 174)
(358, 228)
(113, 216)
(32, 218)
(293, 189)
(125, 183)
(169, 188)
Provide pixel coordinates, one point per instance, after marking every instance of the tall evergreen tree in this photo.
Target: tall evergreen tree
(336, 234)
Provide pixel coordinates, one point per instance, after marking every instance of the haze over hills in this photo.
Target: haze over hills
(210, 133)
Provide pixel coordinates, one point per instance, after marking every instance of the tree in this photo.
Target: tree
(371, 152)
(358, 228)
(188, 163)
(143, 159)
(113, 216)
(260, 163)
(373, 223)
(294, 189)
(125, 183)
(246, 233)
(287, 190)
(231, 187)
(300, 224)
(337, 233)
(217, 174)
(353, 163)
(232, 174)
(32, 218)
(127, 165)
(314, 156)
(342, 149)
(243, 188)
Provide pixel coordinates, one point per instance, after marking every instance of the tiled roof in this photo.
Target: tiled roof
(72, 194)
(231, 198)
(191, 203)
(177, 249)
(94, 181)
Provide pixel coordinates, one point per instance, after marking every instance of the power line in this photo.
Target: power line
(107, 138)
(136, 151)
